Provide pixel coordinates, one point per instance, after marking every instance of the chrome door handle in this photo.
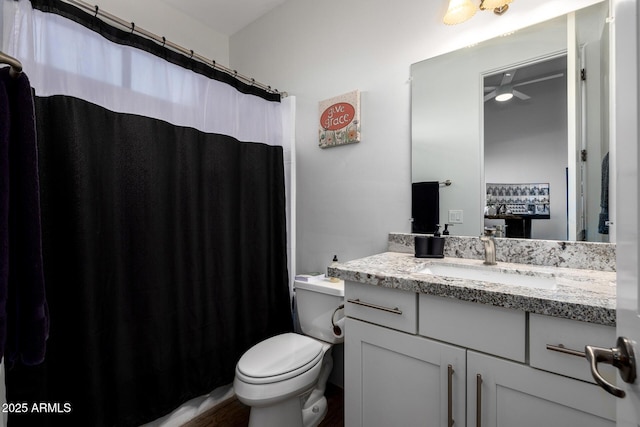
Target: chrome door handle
(622, 357)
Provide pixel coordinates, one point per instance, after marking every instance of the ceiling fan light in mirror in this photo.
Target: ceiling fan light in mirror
(459, 11)
(504, 93)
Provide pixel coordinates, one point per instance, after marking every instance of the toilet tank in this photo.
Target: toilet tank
(317, 298)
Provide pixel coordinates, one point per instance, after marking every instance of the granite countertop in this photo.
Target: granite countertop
(579, 294)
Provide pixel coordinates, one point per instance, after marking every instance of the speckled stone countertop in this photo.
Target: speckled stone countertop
(579, 294)
(549, 253)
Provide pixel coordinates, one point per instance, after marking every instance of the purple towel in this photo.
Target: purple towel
(24, 315)
(4, 212)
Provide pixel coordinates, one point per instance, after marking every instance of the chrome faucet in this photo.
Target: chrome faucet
(489, 246)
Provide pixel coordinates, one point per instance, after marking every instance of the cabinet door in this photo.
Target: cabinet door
(397, 379)
(511, 394)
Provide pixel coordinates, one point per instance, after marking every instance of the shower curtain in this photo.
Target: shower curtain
(163, 198)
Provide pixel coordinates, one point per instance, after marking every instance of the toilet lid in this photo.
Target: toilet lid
(279, 358)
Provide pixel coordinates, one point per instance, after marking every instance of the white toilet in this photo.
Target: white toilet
(283, 378)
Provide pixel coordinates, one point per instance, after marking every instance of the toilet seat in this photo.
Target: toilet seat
(279, 358)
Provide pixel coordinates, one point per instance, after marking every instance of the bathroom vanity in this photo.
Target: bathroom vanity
(438, 343)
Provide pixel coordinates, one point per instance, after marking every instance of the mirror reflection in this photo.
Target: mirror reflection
(532, 166)
(525, 150)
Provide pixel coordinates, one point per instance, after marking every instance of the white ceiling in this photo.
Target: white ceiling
(225, 16)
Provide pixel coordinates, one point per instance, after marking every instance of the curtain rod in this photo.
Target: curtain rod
(96, 11)
(15, 66)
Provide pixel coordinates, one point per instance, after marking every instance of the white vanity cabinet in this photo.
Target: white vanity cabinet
(399, 346)
(505, 393)
(504, 386)
(397, 379)
(394, 377)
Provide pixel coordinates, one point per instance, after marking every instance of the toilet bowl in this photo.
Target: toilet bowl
(283, 378)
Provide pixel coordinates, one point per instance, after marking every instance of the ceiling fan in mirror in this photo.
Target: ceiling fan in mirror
(507, 88)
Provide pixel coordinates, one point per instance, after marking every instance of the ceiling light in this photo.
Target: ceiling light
(504, 93)
(459, 11)
(493, 4)
(462, 10)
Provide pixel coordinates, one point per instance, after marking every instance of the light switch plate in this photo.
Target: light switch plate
(455, 216)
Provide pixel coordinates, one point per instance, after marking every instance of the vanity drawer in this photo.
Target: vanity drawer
(547, 333)
(494, 330)
(392, 308)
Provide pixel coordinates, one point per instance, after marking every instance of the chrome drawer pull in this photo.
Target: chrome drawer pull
(478, 400)
(562, 349)
(395, 310)
(450, 372)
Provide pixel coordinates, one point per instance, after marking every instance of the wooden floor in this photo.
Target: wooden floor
(233, 413)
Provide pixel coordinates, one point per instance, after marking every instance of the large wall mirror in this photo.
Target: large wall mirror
(536, 164)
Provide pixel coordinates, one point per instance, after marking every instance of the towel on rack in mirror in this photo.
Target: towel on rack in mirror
(425, 206)
(24, 317)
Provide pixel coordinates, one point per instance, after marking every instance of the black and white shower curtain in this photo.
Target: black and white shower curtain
(164, 219)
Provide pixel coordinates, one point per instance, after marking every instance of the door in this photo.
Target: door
(574, 166)
(505, 393)
(396, 379)
(625, 129)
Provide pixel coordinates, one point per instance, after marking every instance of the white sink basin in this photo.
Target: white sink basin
(486, 274)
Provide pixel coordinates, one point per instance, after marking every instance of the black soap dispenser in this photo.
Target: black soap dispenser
(437, 244)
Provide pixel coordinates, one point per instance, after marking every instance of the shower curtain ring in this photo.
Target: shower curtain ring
(191, 57)
(164, 40)
(133, 27)
(96, 14)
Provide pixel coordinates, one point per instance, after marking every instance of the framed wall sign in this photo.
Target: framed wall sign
(339, 120)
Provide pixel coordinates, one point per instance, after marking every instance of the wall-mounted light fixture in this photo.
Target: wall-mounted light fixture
(462, 10)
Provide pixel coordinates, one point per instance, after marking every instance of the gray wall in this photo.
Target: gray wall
(350, 197)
